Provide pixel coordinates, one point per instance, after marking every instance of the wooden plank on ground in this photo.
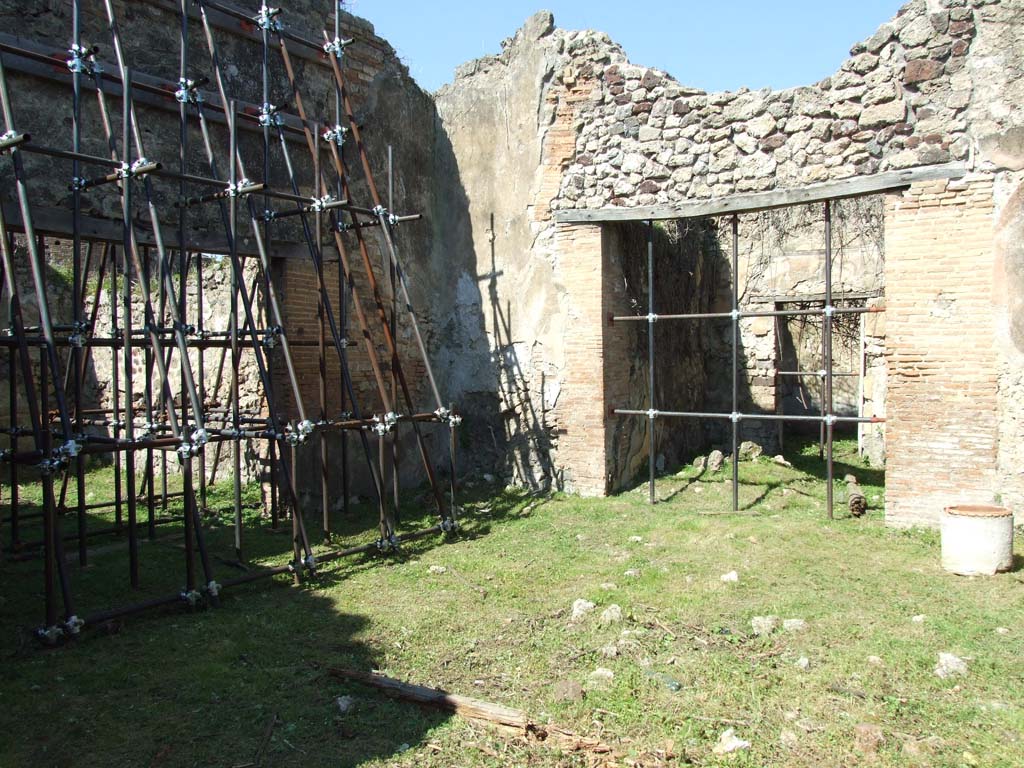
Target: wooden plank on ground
(477, 710)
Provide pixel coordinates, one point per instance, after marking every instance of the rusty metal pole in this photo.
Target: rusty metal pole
(735, 363)
(827, 405)
(651, 319)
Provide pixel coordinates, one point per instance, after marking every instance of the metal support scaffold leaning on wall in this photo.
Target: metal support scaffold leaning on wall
(146, 276)
(828, 311)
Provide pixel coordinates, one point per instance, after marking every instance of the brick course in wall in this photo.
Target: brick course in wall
(942, 420)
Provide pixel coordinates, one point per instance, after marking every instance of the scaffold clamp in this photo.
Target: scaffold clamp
(77, 61)
(336, 47)
(386, 423)
(69, 450)
(270, 337)
(445, 416)
(337, 134)
(188, 92)
(269, 115)
(319, 204)
(200, 437)
(140, 167)
(300, 432)
(10, 139)
(240, 188)
(267, 19)
(383, 213)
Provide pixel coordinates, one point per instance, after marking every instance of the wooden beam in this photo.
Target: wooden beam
(471, 709)
(795, 298)
(858, 186)
(504, 718)
(246, 30)
(56, 222)
(162, 99)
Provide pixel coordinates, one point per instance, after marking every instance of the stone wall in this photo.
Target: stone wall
(937, 83)
(1008, 294)
(510, 144)
(902, 99)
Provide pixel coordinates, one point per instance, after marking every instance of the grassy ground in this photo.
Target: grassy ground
(200, 688)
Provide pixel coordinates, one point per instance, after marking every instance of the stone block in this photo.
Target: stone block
(877, 115)
(921, 70)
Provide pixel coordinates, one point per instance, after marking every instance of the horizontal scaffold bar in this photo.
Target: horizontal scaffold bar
(740, 314)
(655, 414)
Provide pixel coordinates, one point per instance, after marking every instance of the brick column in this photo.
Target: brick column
(581, 446)
(942, 422)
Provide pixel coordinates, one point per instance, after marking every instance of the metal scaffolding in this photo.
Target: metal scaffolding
(828, 419)
(825, 193)
(152, 273)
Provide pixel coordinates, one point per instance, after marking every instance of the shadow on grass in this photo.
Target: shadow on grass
(803, 461)
(815, 467)
(246, 683)
(103, 584)
(223, 674)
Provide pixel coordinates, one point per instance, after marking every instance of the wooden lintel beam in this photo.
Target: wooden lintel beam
(857, 186)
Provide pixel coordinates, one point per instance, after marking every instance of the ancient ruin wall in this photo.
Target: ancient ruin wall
(908, 96)
(937, 83)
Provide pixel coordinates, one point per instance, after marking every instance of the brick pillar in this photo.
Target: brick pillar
(942, 423)
(581, 445)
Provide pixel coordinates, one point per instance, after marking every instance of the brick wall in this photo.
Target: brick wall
(581, 408)
(942, 420)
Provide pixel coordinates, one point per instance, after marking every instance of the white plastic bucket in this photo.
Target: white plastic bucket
(977, 539)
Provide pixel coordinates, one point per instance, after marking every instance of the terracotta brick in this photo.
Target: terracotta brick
(942, 422)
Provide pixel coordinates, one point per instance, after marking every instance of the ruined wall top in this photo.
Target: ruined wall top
(939, 82)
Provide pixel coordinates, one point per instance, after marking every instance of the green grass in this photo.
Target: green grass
(198, 688)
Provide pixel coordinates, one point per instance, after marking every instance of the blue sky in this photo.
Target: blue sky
(711, 45)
